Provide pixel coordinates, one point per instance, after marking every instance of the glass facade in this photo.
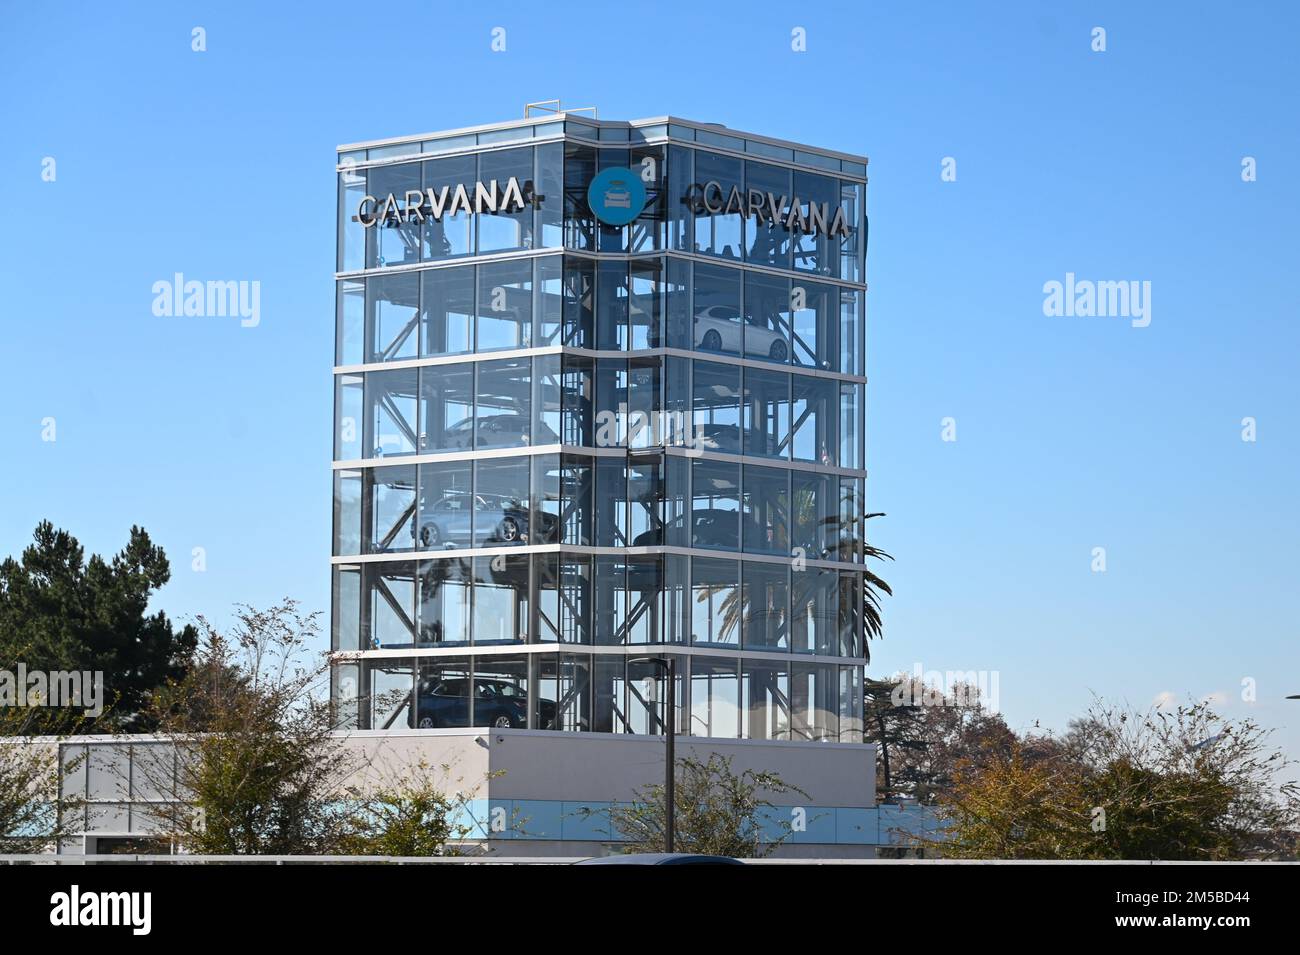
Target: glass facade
(564, 446)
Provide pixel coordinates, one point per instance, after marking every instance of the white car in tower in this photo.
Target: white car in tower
(720, 328)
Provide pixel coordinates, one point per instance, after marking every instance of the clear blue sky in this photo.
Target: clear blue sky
(1072, 433)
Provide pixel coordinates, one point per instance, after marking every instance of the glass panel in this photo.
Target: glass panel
(677, 598)
(644, 422)
(446, 144)
(575, 600)
(546, 398)
(815, 617)
(349, 411)
(447, 408)
(345, 680)
(719, 139)
(850, 614)
(851, 248)
(505, 305)
(813, 251)
(545, 680)
(388, 602)
(676, 502)
(814, 702)
(816, 324)
(549, 301)
(347, 608)
(546, 568)
(648, 229)
(769, 238)
(715, 602)
(577, 482)
(715, 698)
(445, 602)
(675, 427)
(717, 323)
(766, 523)
(852, 508)
(645, 599)
(573, 693)
(767, 317)
(715, 505)
(718, 194)
(766, 610)
(506, 231)
(392, 316)
(680, 211)
(814, 413)
(815, 516)
(347, 513)
(851, 455)
(390, 412)
(389, 503)
(850, 705)
(443, 695)
(611, 403)
(448, 311)
(445, 588)
(501, 502)
(647, 696)
(452, 180)
(503, 412)
(579, 223)
(612, 306)
(677, 304)
(545, 513)
(767, 149)
(645, 304)
(501, 601)
(717, 407)
(611, 502)
(388, 685)
(579, 303)
(607, 711)
(446, 506)
(352, 234)
(816, 159)
(549, 221)
(767, 413)
(610, 582)
(644, 492)
(852, 356)
(766, 704)
(611, 238)
(391, 241)
(350, 337)
(501, 691)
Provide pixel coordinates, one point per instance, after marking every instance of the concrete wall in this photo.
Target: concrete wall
(542, 783)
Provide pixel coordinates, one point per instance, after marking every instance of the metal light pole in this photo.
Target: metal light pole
(670, 747)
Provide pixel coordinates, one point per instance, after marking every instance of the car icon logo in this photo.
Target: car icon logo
(616, 196)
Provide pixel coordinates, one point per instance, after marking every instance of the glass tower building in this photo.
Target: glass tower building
(600, 399)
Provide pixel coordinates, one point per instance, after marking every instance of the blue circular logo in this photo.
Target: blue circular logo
(616, 196)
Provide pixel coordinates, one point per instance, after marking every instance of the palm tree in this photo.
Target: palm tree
(872, 587)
